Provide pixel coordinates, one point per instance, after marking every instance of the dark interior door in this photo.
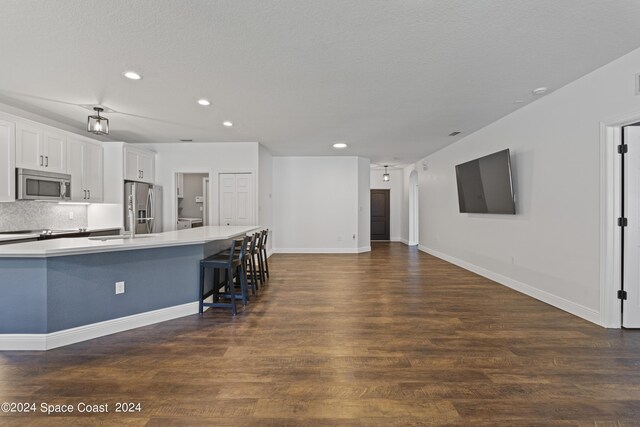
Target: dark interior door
(380, 215)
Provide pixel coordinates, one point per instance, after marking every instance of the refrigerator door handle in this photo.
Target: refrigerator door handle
(150, 223)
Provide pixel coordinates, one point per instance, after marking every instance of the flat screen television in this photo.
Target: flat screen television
(485, 185)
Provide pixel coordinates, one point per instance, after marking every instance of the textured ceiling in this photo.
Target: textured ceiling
(391, 78)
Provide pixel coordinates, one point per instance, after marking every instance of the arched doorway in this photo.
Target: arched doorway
(414, 221)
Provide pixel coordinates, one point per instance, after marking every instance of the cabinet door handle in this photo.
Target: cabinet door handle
(41, 160)
(89, 192)
(46, 164)
(142, 172)
(85, 194)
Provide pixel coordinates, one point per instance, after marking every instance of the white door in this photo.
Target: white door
(75, 165)
(7, 162)
(93, 178)
(29, 148)
(631, 272)
(131, 169)
(55, 152)
(236, 199)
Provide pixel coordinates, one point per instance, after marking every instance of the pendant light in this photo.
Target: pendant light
(98, 124)
(385, 176)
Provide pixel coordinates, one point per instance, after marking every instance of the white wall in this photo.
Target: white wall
(396, 187)
(404, 218)
(315, 202)
(550, 249)
(211, 158)
(364, 205)
(265, 191)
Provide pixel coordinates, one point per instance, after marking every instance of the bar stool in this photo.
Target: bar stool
(233, 266)
(263, 251)
(251, 264)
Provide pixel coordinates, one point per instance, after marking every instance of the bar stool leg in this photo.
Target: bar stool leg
(229, 276)
(200, 308)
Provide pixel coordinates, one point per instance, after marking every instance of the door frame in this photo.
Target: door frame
(610, 210)
(388, 192)
(174, 198)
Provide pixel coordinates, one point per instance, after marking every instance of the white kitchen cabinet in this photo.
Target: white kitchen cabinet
(85, 161)
(139, 165)
(7, 161)
(39, 149)
(180, 185)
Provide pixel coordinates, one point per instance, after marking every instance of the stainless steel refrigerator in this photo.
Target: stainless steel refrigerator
(142, 200)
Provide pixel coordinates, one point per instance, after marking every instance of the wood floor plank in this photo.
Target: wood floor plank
(394, 337)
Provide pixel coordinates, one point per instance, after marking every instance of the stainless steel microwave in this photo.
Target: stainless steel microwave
(38, 185)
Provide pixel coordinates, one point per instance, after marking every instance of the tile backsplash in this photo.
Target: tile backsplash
(30, 215)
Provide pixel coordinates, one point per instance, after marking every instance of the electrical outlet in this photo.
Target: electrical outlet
(339, 238)
(119, 288)
(71, 215)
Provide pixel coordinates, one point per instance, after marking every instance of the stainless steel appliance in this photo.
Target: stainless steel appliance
(141, 207)
(38, 185)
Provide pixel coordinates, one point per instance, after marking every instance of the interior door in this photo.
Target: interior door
(236, 199)
(631, 267)
(227, 199)
(380, 215)
(244, 199)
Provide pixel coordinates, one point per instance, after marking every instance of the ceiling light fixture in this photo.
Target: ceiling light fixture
(539, 91)
(339, 145)
(385, 175)
(204, 102)
(98, 124)
(454, 133)
(227, 124)
(132, 75)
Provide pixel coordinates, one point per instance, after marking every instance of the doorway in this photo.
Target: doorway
(380, 215)
(629, 294)
(191, 200)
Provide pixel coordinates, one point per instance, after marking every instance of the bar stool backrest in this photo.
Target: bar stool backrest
(265, 235)
(252, 244)
(231, 251)
(243, 248)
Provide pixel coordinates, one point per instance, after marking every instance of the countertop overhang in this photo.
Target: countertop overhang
(85, 245)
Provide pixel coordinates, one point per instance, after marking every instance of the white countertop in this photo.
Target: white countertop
(5, 237)
(83, 245)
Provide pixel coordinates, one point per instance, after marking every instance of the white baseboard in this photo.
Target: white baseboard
(405, 241)
(94, 330)
(364, 249)
(315, 250)
(544, 296)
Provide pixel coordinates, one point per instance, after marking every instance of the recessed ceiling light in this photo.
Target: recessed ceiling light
(227, 124)
(204, 102)
(454, 133)
(340, 145)
(539, 90)
(132, 75)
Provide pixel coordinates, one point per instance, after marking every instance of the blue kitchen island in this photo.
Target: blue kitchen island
(62, 291)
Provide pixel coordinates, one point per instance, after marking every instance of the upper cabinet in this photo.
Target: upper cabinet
(85, 165)
(139, 165)
(7, 165)
(40, 149)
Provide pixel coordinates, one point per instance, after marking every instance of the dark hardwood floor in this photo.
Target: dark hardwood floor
(394, 337)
